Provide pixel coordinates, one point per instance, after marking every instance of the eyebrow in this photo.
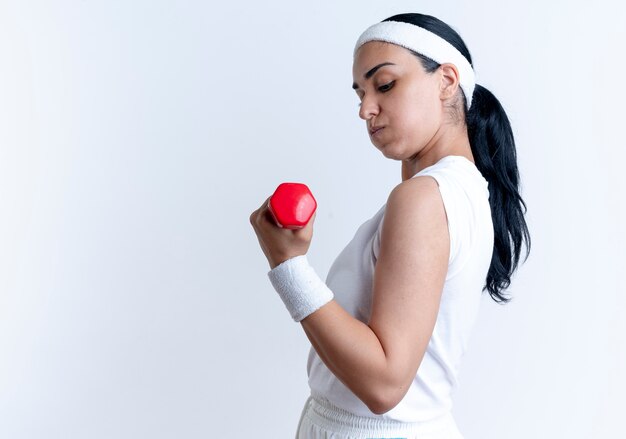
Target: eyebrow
(371, 72)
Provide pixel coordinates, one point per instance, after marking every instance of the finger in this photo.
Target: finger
(258, 212)
(255, 214)
(265, 212)
(312, 219)
(262, 207)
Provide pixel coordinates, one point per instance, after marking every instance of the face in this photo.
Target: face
(402, 98)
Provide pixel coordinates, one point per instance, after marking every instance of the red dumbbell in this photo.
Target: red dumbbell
(292, 205)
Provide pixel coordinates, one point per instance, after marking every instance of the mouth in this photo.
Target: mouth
(373, 131)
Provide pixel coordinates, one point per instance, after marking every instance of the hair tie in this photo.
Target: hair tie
(426, 43)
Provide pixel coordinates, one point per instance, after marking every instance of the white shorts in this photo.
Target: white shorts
(322, 420)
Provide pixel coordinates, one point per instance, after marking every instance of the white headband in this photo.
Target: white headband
(426, 43)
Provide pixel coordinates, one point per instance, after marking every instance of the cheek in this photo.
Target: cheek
(419, 115)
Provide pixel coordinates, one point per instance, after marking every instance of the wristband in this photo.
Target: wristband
(300, 288)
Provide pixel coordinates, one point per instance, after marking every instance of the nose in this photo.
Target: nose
(369, 108)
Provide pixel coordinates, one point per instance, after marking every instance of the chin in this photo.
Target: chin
(389, 152)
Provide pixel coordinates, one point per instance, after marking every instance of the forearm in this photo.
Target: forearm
(352, 351)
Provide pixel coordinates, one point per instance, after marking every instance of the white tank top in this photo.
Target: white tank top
(465, 196)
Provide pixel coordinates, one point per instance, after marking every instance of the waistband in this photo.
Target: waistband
(325, 414)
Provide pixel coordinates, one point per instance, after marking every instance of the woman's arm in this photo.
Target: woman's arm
(378, 361)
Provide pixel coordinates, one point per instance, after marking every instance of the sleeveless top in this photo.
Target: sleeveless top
(465, 196)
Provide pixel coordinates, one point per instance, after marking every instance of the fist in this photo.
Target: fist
(281, 243)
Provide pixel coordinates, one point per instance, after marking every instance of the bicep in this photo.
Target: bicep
(409, 276)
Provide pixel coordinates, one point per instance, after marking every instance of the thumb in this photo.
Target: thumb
(308, 228)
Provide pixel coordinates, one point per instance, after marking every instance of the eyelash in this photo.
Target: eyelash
(389, 84)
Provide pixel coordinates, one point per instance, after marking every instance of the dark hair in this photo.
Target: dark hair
(493, 147)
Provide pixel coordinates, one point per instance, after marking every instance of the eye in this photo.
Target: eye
(383, 88)
(386, 87)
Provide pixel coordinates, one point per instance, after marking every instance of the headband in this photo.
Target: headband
(426, 43)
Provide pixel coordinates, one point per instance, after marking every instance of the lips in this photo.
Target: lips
(374, 129)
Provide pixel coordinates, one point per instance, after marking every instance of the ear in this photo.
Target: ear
(449, 80)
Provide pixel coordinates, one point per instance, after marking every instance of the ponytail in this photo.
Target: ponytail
(493, 148)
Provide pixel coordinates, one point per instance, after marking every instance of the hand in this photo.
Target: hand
(280, 244)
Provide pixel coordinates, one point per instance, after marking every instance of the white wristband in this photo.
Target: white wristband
(299, 286)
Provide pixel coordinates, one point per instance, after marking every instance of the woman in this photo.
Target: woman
(391, 323)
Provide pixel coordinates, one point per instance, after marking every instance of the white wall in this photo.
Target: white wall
(137, 137)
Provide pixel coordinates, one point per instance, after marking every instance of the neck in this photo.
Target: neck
(455, 144)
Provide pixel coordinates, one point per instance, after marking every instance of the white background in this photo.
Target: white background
(136, 137)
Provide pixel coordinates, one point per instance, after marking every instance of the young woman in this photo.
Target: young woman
(391, 323)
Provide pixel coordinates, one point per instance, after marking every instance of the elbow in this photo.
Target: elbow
(378, 409)
(383, 401)
(388, 391)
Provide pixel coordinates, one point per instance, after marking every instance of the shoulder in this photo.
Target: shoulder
(415, 223)
(420, 183)
(415, 213)
(419, 195)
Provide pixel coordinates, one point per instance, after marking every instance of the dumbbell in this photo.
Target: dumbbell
(292, 205)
